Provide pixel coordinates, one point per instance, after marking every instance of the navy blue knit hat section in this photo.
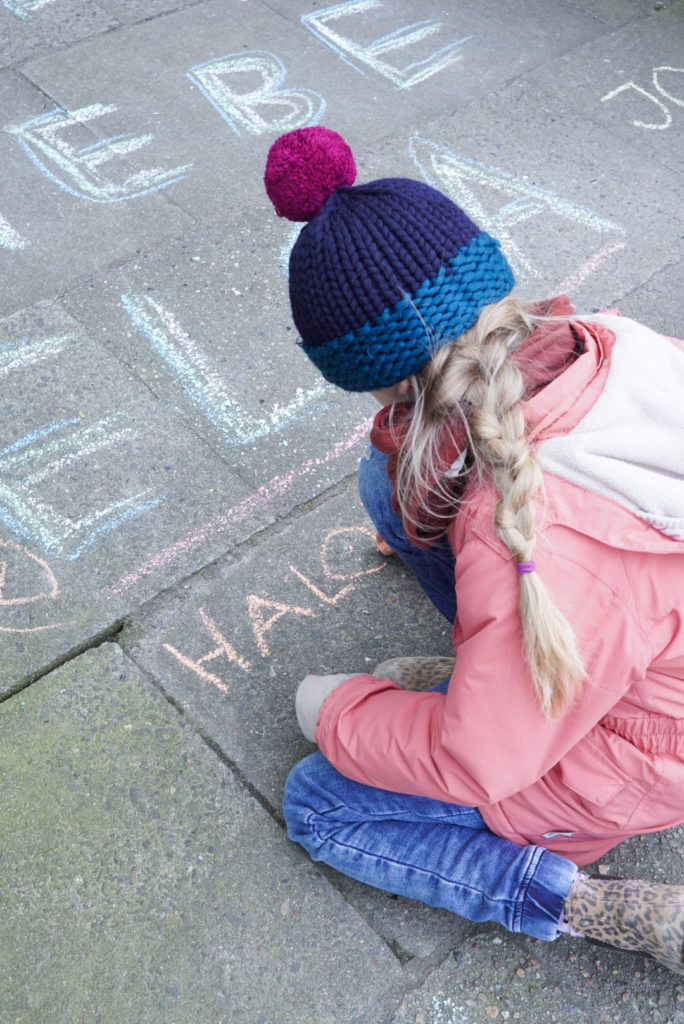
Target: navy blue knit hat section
(384, 273)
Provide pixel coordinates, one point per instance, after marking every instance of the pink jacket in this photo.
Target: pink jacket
(609, 436)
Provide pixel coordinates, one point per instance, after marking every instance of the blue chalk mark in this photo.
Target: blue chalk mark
(113, 524)
(450, 47)
(101, 143)
(37, 435)
(14, 8)
(17, 131)
(236, 426)
(269, 92)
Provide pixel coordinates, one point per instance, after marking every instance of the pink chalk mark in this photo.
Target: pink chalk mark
(587, 269)
(345, 575)
(52, 586)
(318, 592)
(261, 626)
(223, 649)
(274, 488)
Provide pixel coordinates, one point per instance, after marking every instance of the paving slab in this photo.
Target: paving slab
(30, 25)
(59, 216)
(633, 86)
(95, 482)
(204, 323)
(230, 647)
(139, 882)
(594, 227)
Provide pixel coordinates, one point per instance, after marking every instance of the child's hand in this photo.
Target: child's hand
(311, 693)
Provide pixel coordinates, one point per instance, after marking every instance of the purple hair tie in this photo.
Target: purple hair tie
(523, 567)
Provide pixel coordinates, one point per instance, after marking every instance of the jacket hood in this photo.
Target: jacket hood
(613, 425)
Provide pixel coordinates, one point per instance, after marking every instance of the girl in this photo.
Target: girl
(528, 466)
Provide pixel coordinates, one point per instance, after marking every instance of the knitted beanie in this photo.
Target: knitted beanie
(382, 274)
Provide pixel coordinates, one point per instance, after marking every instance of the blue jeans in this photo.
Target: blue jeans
(440, 853)
(432, 567)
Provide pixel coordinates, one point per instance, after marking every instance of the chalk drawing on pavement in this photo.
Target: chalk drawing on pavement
(336, 536)
(22, 8)
(207, 389)
(263, 498)
(79, 171)
(9, 238)
(373, 55)
(25, 579)
(658, 86)
(263, 613)
(16, 355)
(246, 89)
(463, 179)
(223, 649)
(37, 459)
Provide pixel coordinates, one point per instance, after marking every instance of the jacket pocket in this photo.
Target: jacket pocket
(608, 775)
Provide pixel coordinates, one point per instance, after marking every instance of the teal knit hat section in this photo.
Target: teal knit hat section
(398, 342)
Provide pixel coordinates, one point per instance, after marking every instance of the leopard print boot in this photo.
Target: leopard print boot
(632, 915)
(418, 673)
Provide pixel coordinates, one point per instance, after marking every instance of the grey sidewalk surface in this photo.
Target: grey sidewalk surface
(180, 534)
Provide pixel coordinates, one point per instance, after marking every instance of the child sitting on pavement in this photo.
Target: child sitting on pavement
(528, 467)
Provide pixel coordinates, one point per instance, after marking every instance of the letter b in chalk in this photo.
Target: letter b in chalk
(245, 89)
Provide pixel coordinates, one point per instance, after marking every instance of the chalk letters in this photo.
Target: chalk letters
(206, 387)
(372, 54)
(246, 90)
(79, 171)
(223, 649)
(22, 8)
(34, 460)
(667, 116)
(464, 178)
(9, 238)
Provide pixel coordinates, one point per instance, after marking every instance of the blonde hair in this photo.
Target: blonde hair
(473, 383)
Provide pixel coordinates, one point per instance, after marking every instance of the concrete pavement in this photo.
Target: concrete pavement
(180, 535)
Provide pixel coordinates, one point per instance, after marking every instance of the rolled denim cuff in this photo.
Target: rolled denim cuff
(550, 881)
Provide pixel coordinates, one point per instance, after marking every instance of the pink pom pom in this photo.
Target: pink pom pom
(303, 168)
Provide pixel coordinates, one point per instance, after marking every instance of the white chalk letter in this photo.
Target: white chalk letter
(245, 89)
(373, 55)
(206, 387)
(79, 171)
(464, 180)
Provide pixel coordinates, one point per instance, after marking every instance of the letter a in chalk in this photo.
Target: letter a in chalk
(245, 89)
(79, 170)
(472, 185)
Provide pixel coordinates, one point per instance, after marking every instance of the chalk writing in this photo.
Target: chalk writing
(79, 171)
(228, 84)
(9, 238)
(22, 8)
(262, 625)
(589, 267)
(335, 534)
(264, 613)
(206, 387)
(460, 176)
(655, 78)
(19, 564)
(223, 649)
(16, 355)
(39, 457)
(263, 497)
(372, 55)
